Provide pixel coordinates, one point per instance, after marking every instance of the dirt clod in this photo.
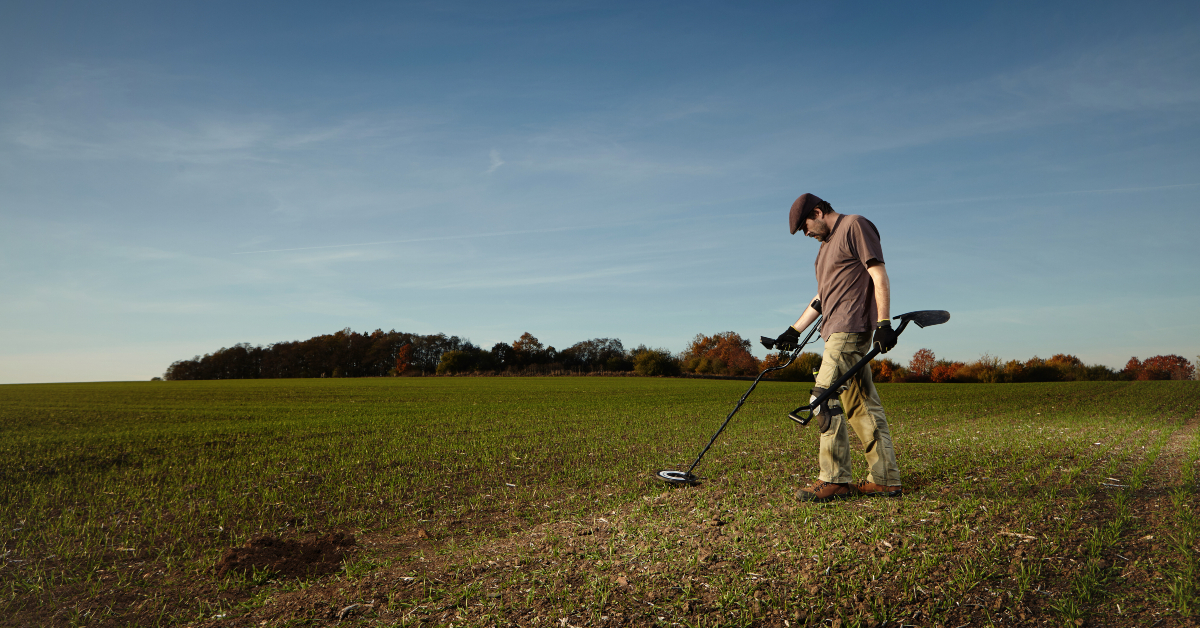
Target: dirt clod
(288, 558)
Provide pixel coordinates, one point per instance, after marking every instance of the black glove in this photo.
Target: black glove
(788, 339)
(885, 336)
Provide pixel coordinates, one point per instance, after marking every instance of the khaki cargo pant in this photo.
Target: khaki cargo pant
(862, 410)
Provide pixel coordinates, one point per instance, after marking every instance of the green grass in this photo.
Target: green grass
(1029, 500)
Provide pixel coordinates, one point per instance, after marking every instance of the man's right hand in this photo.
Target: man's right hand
(885, 336)
(788, 339)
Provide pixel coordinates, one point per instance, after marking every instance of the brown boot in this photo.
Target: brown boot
(871, 489)
(821, 492)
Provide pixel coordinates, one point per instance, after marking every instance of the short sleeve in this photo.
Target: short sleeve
(864, 238)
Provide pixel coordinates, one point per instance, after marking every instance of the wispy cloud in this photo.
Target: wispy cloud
(477, 281)
(1121, 76)
(80, 111)
(1011, 197)
(496, 161)
(473, 236)
(465, 236)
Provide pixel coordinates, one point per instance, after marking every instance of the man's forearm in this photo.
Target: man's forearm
(883, 291)
(810, 314)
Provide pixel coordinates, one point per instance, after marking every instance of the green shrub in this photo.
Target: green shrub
(655, 362)
(802, 369)
(453, 362)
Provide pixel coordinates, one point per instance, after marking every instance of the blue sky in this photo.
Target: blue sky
(180, 177)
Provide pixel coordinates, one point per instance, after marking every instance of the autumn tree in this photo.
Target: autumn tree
(403, 359)
(725, 353)
(1063, 360)
(885, 370)
(944, 371)
(1177, 367)
(921, 364)
(1159, 367)
(527, 345)
(773, 360)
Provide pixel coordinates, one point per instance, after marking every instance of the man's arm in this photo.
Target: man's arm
(810, 314)
(883, 290)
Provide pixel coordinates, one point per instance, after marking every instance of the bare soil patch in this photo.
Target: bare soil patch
(287, 558)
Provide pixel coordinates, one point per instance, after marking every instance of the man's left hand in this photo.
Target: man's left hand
(885, 336)
(788, 340)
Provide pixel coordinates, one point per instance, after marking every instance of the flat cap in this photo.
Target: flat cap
(801, 209)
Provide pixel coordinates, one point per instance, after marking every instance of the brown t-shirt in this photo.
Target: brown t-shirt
(846, 290)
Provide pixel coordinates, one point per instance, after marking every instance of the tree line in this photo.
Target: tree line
(392, 353)
(925, 367)
(380, 354)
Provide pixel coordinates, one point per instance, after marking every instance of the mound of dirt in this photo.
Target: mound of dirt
(317, 555)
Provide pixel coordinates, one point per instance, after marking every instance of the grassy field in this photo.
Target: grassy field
(530, 501)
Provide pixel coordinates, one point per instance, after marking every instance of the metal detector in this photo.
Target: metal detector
(922, 318)
(686, 477)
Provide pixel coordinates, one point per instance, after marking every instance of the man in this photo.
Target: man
(854, 295)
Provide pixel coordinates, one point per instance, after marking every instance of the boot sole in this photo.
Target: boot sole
(822, 500)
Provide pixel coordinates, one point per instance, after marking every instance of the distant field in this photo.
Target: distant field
(529, 501)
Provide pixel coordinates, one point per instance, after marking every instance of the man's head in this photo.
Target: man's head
(808, 216)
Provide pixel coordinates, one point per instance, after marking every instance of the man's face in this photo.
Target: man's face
(815, 227)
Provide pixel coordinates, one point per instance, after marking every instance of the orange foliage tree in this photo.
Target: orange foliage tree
(886, 370)
(921, 364)
(1064, 361)
(527, 344)
(403, 358)
(773, 360)
(1159, 367)
(726, 353)
(945, 371)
